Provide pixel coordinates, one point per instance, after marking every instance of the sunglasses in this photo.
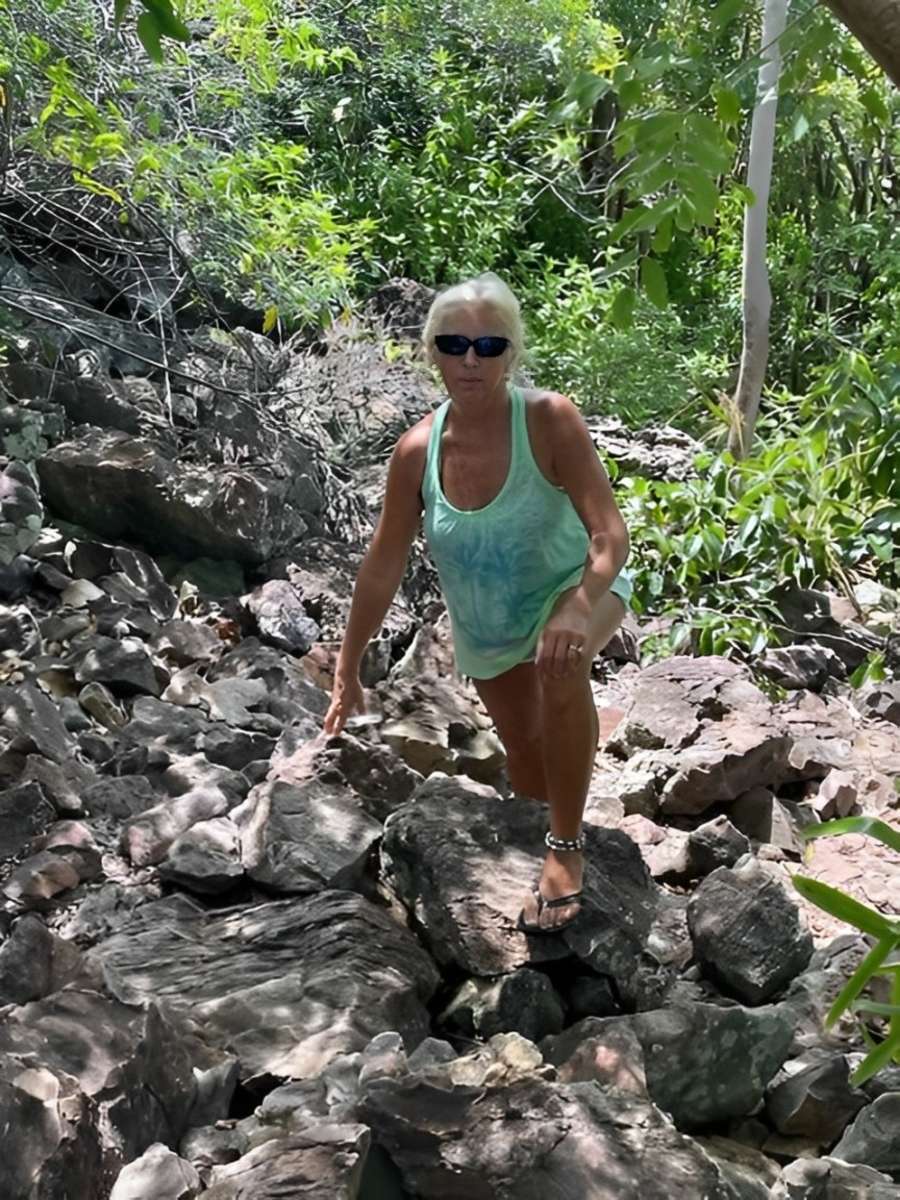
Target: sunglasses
(457, 345)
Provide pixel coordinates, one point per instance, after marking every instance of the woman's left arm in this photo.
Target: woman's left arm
(577, 467)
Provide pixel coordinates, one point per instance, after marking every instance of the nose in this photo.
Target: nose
(471, 358)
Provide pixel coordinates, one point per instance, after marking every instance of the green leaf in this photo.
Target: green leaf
(121, 8)
(877, 1060)
(873, 102)
(701, 193)
(879, 1010)
(167, 20)
(662, 239)
(641, 217)
(148, 31)
(800, 127)
(621, 312)
(870, 965)
(845, 908)
(653, 282)
(728, 105)
(630, 93)
(725, 11)
(873, 826)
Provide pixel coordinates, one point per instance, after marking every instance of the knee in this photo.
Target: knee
(562, 695)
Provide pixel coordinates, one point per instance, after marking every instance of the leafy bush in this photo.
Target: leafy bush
(886, 932)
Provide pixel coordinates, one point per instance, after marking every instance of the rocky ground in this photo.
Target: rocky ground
(241, 959)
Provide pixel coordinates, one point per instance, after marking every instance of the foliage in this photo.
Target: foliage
(817, 503)
(886, 933)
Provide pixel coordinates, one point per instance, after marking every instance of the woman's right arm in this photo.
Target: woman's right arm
(380, 573)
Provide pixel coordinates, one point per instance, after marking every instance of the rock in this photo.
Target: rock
(146, 838)
(383, 1058)
(21, 511)
(524, 1002)
(303, 839)
(206, 859)
(836, 795)
(25, 812)
(654, 452)
(281, 618)
(382, 781)
(702, 1063)
(829, 1179)
(284, 986)
(30, 723)
(41, 877)
(178, 731)
(590, 995)
(99, 701)
(35, 962)
(763, 818)
(125, 486)
(123, 663)
(19, 632)
(112, 1080)
(324, 1162)
(749, 1170)
(715, 843)
(105, 911)
(462, 860)
(532, 1140)
(804, 665)
(64, 784)
(814, 1099)
(747, 931)
(663, 849)
(882, 699)
(872, 1138)
(120, 797)
(157, 1175)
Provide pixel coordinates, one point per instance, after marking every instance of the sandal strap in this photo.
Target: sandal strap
(558, 902)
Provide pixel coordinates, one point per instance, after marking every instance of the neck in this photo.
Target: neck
(483, 409)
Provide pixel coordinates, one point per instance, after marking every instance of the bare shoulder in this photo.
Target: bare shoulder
(410, 452)
(553, 413)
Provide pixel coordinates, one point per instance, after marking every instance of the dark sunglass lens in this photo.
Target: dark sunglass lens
(452, 343)
(490, 347)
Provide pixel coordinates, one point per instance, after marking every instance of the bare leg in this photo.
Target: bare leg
(569, 736)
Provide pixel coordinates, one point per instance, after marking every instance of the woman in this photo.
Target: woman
(528, 543)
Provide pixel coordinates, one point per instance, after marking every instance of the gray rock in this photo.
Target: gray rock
(158, 1174)
(180, 731)
(804, 665)
(716, 843)
(124, 664)
(35, 962)
(872, 1138)
(462, 860)
(102, 705)
(41, 877)
(303, 839)
(284, 986)
(19, 631)
(120, 797)
(382, 781)
(105, 911)
(814, 1099)
(532, 1140)
(590, 996)
(324, 1162)
(759, 815)
(30, 723)
(205, 859)
(214, 1091)
(281, 618)
(112, 1079)
(126, 486)
(64, 784)
(25, 812)
(524, 1002)
(21, 511)
(703, 1063)
(145, 839)
(829, 1179)
(747, 931)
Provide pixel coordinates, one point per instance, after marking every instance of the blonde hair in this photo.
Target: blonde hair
(488, 289)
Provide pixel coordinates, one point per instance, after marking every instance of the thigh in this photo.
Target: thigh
(513, 701)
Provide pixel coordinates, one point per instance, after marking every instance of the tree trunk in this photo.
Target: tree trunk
(757, 297)
(876, 23)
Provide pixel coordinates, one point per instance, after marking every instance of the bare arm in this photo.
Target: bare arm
(381, 571)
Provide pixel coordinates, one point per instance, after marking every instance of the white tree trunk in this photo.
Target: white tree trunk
(757, 297)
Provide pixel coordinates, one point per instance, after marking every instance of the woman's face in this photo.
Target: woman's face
(467, 376)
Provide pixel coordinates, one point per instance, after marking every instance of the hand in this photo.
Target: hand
(567, 627)
(347, 697)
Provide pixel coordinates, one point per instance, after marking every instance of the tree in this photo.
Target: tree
(876, 23)
(757, 296)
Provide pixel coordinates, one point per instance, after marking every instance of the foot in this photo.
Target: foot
(562, 876)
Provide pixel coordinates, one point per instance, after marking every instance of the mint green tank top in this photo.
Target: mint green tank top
(502, 567)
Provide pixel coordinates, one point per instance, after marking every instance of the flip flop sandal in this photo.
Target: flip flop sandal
(542, 903)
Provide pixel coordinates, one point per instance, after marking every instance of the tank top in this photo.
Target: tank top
(502, 567)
